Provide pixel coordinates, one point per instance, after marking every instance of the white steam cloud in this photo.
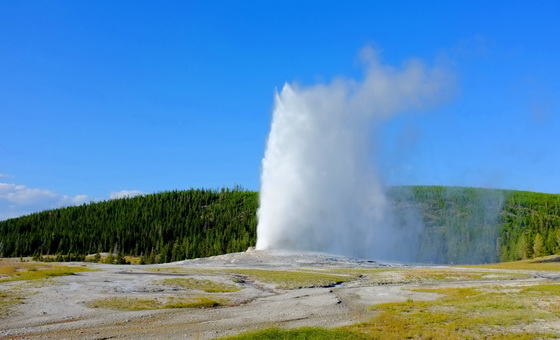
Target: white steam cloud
(320, 190)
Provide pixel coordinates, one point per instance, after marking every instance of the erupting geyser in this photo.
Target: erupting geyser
(320, 190)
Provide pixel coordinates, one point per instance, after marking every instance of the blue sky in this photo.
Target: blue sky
(101, 98)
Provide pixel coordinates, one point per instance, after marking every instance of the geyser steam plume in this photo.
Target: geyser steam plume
(320, 190)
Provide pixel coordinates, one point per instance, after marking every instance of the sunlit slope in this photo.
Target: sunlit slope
(446, 225)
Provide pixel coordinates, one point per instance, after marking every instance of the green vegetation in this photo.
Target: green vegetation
(163, 227)
(24, 271)
(426, 275)
(208, 286)
(130, 304)
(469, 225)
(60, 258)
(435, 275)
(307, 333)
(293, 279)
(186, 270)
(441, 225)
(464, 313)
(529, 226)
(457, 225)
(7, 301)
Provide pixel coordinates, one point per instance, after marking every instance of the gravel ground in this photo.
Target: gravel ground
(58, 307)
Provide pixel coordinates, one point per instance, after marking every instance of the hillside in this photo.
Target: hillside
(446, 225)
(471, 225)
(163, 227)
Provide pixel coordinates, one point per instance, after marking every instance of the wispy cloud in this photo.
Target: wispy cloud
(125, 193)
(5, 176)
(17, 200)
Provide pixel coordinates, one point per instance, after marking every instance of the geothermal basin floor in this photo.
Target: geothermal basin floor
(68, 307)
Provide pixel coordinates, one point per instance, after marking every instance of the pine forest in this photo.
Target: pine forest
(454, 224)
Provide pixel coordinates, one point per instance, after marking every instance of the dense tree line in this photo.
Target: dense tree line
(472, 225)
(529, 226)
(160, 227)
(458, 225)
(451, 225)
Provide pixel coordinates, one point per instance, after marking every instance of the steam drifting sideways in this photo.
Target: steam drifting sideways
(320, 189)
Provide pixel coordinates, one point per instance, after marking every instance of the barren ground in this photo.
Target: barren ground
(61, 307)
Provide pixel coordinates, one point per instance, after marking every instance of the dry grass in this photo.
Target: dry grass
(302, 278)
(548, 263)
(426, 275)
(306, 333)
(7, 301)
(131, 304)
(282, 279)
(133, 259)
(208, 286)
(23, 271)
(450, 275)
(465, 313)
(186, 270)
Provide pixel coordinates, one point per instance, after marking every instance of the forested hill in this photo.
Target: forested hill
(450, 224)
(168, 226)
(470, 225)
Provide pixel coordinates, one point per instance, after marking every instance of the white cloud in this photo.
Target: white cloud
(17, 200)
(5, 176)
(74, 200)
(125, 193)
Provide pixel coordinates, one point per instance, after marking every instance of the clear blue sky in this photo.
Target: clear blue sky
(97, 97)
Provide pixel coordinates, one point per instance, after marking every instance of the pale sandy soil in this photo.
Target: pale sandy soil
(59, 308)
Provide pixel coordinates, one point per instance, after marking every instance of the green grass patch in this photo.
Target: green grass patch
(208, 286)
(428, 274)
(463, 313)
(284, 279)
(131, 303)
(425, 275)
(23, 271)
(356, 271)
(186, 270)
(307, 333)
(7, 301)
(196, 302)
(441, 275)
